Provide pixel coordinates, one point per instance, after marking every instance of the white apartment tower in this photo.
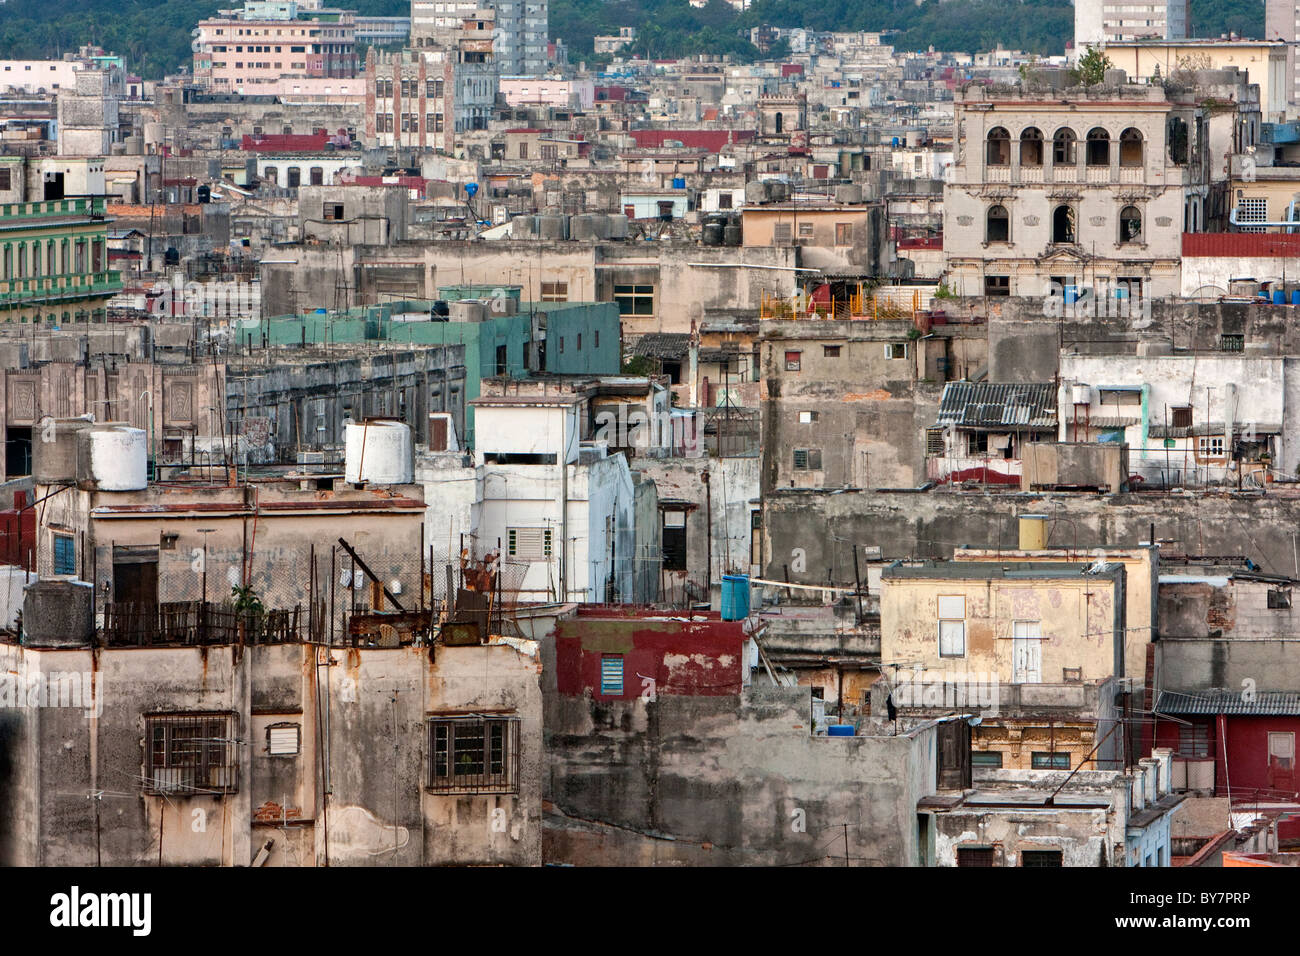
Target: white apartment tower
(1282, 22)
(1097, 22)
(520, 40)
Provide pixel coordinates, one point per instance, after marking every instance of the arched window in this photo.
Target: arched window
(1063, 224)
(1063, 147)
(999, 225)
(1098, 147)
(271, 175)
(1031, 147)
(1130, 147)
(1130, 224)
(999, 147)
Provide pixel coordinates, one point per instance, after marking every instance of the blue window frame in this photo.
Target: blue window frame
(65, 554)
(611, 676)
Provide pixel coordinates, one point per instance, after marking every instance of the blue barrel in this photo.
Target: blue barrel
(679, 182)
(1071, 295)
(735, 597)
(1295, 296)
(840, 730)
(1279, 297)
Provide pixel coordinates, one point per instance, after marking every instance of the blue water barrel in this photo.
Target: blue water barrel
(1279, 297)
(735, 597)
(1295, 296)
(679, 182)
(895, 143)
(1071, 294)
(840, 730)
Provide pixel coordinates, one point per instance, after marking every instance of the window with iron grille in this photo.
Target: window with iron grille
(934, 443)
(1193, 740)
(1040, 858)
(975, 856)
(1252, 210)
(1232, 343)
(807, 459)
(555, 292)
(986, 758)
(191, 753)
(474, 754)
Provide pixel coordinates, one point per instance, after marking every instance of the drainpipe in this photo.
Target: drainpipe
(693, 366)
(708, 538)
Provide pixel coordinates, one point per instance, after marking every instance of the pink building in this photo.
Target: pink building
(248, 55)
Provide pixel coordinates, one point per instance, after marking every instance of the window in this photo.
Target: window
(1278, 599)
(1040, 858)
(191, 753)
(934, 443)
(6, 182)
(793, 361)
(611, 675)
(1130, 224)
(997, 285)
(1176, 135)
(807, 459)
(830, 351)
(1181, 416)
(635, 299)
(1063, 224)
(474, 754)
(65, 554)
(999, 147)
(1252, 210)
(284, 740)
(503, 364)
(724, 200)
(1232, 343)
(1130, 147)
(1194, 740)
(952, 625)
(673, 540)
(1063, 144)
(332, 212)
(807, 418)
(1209, 446)
(986, 758)
(531, 543)
(781, 233)
(975, 856)
(805, 230)
(1041, 760)
(896, 350)
(998, 225)
(1031, 147)
(555, 292)
(1098, 147)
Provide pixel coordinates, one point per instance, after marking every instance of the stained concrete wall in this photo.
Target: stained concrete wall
(378, 811)
(724, 780)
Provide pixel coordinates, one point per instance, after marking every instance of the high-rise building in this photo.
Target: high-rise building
(1097, 22)
(269, 40)
(520, 36)
(1282, 22)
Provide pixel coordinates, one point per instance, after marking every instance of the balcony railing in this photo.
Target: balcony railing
(195, 624)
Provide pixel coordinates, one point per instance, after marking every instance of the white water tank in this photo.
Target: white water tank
(379, 453)
(1080, 394)
(113, 458)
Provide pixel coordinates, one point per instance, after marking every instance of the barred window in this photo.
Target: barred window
(191, 753)
(474, 754)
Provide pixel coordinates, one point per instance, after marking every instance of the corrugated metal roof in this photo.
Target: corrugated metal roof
(986, 405)
(1241, 245)
(1212, 702)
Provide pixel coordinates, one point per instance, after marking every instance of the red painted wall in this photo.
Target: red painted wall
(1246, 740)
(701, 658)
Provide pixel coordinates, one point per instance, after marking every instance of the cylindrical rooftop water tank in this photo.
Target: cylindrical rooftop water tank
(113, 458)
(378, 453)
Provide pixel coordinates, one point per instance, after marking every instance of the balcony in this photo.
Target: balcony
(1132, 174)
(53, 290)
(1031, 174)
(1099, 174)
(997, 174)
(81, 208)
(1065, 174)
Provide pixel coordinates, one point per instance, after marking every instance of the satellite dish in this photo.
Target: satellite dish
(395, 586)
(345, 579)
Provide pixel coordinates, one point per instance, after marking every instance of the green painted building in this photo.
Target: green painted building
(560, 338)
(54, 261)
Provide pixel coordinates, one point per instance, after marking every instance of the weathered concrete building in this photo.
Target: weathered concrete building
(661, 752)
(207, 749)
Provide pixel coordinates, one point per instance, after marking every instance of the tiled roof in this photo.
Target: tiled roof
(663, 345)
(986, 405)
(1261, 704)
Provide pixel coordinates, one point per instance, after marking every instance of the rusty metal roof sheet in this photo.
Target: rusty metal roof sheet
(986, 405)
